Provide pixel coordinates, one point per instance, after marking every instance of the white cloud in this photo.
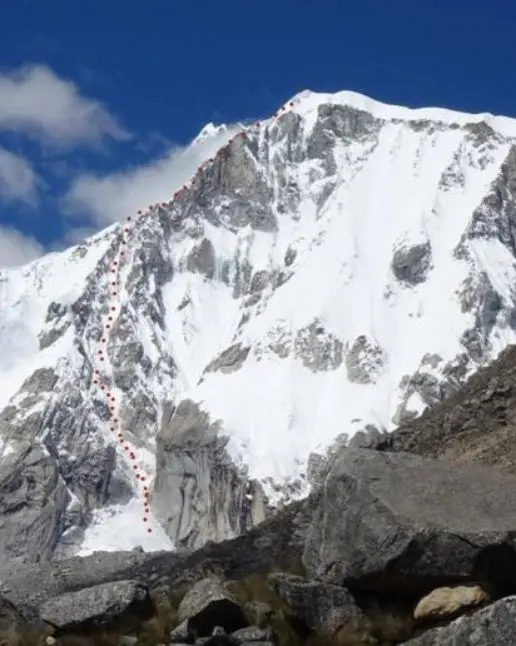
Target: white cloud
(18, 181)
(17, 249)
(35, 101)
(113, 197)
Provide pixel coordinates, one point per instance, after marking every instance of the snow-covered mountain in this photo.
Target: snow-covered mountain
(330, 271)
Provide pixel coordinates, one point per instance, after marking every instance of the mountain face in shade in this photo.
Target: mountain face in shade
(326, 275)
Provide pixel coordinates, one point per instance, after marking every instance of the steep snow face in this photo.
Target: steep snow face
(332, 271)
(369, 272)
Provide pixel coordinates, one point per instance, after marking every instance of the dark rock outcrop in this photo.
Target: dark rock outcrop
(410, 264)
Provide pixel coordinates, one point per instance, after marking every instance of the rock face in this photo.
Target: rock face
(279, 295)
(199, 493)
(32, 505)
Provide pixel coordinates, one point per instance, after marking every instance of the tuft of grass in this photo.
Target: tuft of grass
(391, 623)
(101, 638)
(21, 636)
(156, 630)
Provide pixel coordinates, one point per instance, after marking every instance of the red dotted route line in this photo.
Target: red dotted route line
(101, 381)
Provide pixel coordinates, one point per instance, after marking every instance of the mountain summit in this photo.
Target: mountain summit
(329, 273)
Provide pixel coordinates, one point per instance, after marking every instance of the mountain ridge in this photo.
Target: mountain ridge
(271, 309)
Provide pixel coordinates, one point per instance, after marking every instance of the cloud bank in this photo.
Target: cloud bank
(36, 102)
(18, 180)
(17, 249)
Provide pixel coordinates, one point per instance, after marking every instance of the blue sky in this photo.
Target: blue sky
(96, 98)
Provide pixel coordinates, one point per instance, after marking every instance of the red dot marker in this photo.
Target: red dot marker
(149, 531)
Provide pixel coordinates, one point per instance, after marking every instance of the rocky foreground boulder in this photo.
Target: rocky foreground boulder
(96, 606)
(390, 548)
(493, 625)
(395, 521)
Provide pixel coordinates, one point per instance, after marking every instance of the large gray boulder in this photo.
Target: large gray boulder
(99, 605)
(491, 626)
(400, 523)
(322, 607)
(209, 604)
